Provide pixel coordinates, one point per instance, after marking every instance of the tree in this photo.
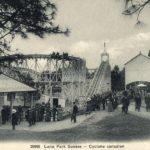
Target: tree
(117, 79)
(24, 17)
(122, 79)
(135, 7)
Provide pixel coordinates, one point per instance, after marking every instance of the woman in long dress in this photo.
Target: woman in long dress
(110, 108)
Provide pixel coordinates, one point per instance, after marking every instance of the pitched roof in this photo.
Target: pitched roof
(8, 84)
(136, 57)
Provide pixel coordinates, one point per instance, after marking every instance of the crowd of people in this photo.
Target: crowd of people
(98, 102)
(5, 113)
(38, 113)
(136, 97)
(124, 98)
(44, 112)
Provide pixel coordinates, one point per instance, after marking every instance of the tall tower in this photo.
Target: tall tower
(104, 55)
(101, 82)
(106, 84)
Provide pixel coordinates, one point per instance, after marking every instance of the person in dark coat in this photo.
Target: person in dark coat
(125, 103)
(37, 114)
(109, 104)
(147, 101)
(19, 112)
(103, 102)
(115, 102)
(3, 114)
(30, 118)
(47, 114)
(27, 115)
(8, 113)
(137, 101)
(74, 112)
(54, 112)
(14, 119)
(33, 116)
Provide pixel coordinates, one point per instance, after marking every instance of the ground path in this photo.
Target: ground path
(143, 113)
(99, 126)
(58, 125)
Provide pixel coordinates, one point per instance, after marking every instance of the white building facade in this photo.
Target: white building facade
(137, 69)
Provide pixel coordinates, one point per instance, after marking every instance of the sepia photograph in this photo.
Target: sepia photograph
(75, 74)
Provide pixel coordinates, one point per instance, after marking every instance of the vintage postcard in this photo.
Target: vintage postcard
(74, 74)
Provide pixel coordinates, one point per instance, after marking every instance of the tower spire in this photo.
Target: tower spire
(104, 54)
(104, 47)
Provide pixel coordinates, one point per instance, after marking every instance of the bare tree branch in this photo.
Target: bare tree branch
(135, 6)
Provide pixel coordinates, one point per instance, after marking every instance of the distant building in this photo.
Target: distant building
(137, 70)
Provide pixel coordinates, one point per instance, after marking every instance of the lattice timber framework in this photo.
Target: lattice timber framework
(101, 82)
(59, 77)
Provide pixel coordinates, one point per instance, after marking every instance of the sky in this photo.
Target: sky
(91, 23)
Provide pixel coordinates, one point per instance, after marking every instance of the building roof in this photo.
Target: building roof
(8, 84)
(136, 57)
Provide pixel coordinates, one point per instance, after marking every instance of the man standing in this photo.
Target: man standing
(74, 112)
(147, 101)
(14, 119)
(30, 117)
(125, 102)
(54, 110)
(137, 101)
(3, 114)
(19, 113)
(103, 102)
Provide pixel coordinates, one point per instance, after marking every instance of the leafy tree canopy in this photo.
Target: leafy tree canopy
(21, 17)
(117, 79)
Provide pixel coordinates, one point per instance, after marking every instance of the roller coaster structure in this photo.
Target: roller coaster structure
(59, 76)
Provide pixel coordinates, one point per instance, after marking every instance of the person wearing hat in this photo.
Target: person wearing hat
(74, 112)
(125, 102)
(30, 118)
(14, 119)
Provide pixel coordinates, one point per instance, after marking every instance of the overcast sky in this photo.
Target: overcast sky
(92, 22)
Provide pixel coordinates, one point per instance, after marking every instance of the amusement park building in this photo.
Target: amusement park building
(58, 77)
(137, 70)
(11, 91)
